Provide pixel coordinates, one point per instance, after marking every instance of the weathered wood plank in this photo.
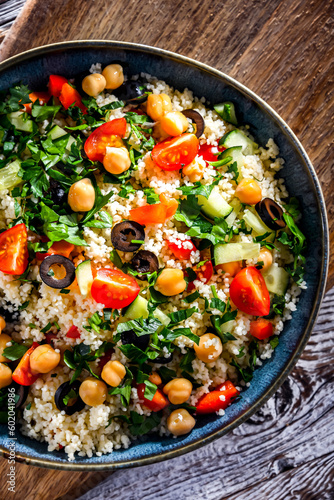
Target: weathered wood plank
(9, 10)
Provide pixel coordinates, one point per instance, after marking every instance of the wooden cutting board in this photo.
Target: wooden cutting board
(282, 50)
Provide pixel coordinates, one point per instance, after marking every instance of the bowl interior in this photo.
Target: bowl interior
(71, 59)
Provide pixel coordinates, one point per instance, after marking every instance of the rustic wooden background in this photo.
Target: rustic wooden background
(283, 50)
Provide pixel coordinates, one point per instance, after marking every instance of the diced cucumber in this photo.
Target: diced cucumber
(236, 153)
(138, 309)
(254, 222)
(227, 111)
(84, 277)
(236, 205)
(277, 279)
(56, 132)
(215, 205)
(8, 175)
(227, 327)
(231, 252)
(238, 138)
(16, 119)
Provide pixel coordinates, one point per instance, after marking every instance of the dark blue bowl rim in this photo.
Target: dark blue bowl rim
(84, 44)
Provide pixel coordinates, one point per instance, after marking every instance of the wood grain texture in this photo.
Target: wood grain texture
(283, 50)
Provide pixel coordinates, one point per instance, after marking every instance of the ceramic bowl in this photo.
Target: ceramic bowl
(71, 58)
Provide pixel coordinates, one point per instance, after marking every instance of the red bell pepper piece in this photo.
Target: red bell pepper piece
(73, 333)
(61, 247)
(216, 400)
(56, 83)
(43, 98)
(69, 96)
(159, 401)
(22, 374)
(149, 214)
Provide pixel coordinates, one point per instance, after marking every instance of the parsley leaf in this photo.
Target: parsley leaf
(15, 351)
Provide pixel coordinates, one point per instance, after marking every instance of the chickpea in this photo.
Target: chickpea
(81, 196)
(93, 392)
(2, 324)
(180, 422)
(94, 84)
(174, 123)
(194, 171)
(159, 134)
(113, 373)
(113, 75)
(170, 282)
(178, 390)
(116, 160)
(209, 348)
(44, 359)
(232, 268)
(155, 378)
(248, 191)
(4, 339)
(5, 375)
(266, 257)
(158, 105)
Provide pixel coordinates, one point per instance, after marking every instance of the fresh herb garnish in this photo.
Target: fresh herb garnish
(15, 351)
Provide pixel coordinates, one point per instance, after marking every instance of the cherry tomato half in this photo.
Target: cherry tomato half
(211, 402)
(174, 153)
(159, 401)
(249, 292)
(114, 289)
(22, 374)
(107, 135)
(261, 329)
(204, 274)
(209, 152)
(14, 250)
(182, 249)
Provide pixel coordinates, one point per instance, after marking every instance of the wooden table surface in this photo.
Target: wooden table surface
(283, 50)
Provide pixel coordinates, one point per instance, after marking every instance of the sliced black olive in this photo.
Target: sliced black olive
(197, 118)
(129, 337)
(47, 274)
(74, 404)
(145, 262)
(124, 233)
(162, 360)
(131, 92)
(271, 213)
(58, 194)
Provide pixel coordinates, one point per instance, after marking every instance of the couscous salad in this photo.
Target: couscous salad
(149, 256)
